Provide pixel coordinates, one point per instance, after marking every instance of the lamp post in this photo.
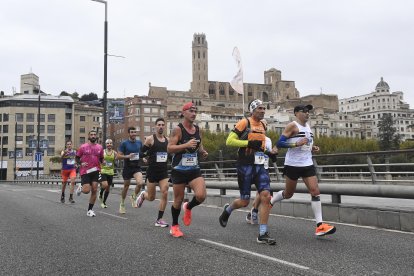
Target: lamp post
(38, 127)
(15, 147)
(105, 68)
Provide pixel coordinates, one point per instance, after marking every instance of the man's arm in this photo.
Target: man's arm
(174, 138)
(149, 141)
(289, 130)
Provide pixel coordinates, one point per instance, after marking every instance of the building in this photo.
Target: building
(87, 117)
(19, 129)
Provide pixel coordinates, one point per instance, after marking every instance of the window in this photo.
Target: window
(137, 111)
(81, 140)
(30, 117)
(147, 129)
(42, 117)
(19, 117)
(82, 118)
(5, 140)
(50, 129)
(42, 129)
(161, 112)
(147, 119)
(29, 128)
(147, 110)
(82, 130)
(155, 110)
(50, 151)
(68, 116)
(19, 128)
(51, 117)
(5, 129)
(68, 127)
(5, 117)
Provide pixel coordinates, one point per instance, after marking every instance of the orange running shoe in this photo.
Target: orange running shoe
(325, 229)
(187, 215)
(175, 231)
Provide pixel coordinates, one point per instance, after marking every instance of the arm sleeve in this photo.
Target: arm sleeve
(234, 141)
(283, 143)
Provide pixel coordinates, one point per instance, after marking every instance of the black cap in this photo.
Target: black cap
(302, 108)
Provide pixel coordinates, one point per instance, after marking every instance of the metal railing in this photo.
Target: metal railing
(387, 174)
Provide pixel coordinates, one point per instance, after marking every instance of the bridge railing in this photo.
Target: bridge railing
(383, 174)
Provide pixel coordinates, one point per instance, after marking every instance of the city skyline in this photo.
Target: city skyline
(333, 48)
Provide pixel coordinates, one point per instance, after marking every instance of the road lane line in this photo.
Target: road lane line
(257, 255)
(112, 215)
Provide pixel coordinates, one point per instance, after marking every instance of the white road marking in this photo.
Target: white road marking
(257, 255)
(112, 215)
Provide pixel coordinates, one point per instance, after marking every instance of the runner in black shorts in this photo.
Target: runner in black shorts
(185, 144)
(155, 147)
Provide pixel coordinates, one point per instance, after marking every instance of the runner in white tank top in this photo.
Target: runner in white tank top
(298, 138)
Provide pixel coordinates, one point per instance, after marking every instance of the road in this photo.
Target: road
(41, 236)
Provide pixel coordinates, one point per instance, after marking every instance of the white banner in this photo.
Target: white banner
(237, 81)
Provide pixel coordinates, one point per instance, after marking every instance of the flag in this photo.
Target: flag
(237, 81)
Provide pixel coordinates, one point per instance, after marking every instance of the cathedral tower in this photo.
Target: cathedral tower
(199, 84)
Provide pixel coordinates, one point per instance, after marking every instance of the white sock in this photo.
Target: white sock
(277, 197)
(317, 209)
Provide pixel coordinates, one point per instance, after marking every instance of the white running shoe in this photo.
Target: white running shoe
(79, 190)
(91, 213)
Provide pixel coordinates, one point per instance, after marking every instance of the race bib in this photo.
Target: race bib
(108, 163)
(259, 158)
(266, 163)
(70, 162)
(134, 157)
(189, 159)
(308, 146)
(91, 170)
(162, 157)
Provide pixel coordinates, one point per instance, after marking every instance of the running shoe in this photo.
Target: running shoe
(103, 205)
(224, 217)
(176, 232)
(133, 199)
(62, 199)
(266, 239)
(249, 218)
(79, 190)
(140, 199)
(161, 223)
(91, 213)
(187, 215)
(122, 208)
(71, 199)
(325, 229)
(254, 217)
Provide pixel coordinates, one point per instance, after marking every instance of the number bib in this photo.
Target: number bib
(162, 157)
(108, 163)
(91, 170)
(266, 163)
(189, 159)
(259, 158)
(70, 161)
(134, 157)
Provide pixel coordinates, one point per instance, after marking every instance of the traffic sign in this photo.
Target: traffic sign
(38, 156)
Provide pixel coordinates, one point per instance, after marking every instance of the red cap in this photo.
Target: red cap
(187, 106)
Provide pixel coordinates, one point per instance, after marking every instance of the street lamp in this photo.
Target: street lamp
(105, 67)
(38, 127)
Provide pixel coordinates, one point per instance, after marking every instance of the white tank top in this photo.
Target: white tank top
(300, 156)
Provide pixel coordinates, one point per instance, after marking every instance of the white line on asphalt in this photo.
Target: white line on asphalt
(257, 255)
(115, 216)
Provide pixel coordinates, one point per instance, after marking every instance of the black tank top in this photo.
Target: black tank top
(158, 154)
(177, 162)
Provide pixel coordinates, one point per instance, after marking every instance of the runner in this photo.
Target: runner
(249, 136)
(298, 138)
(185, 144)
(89, 158)
(68, 171)
(107, 172)
(129, 151)
(155, 147)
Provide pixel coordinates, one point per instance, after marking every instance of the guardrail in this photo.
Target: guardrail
(380, 176)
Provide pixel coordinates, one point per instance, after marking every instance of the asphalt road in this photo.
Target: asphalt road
(41, 236)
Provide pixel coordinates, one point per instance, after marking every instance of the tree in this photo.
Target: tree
(75, 95)
(389, 139)
(89, 97)
(64, 93)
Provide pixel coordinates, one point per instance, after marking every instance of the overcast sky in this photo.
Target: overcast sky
(337, 47)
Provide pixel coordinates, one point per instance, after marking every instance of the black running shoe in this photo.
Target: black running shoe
(62, 199)
(266, 239)
(224, 217)
(71, 200)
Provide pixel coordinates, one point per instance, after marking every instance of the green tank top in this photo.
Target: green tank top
(108, 164)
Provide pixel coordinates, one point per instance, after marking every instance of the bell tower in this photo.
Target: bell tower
(199, 84)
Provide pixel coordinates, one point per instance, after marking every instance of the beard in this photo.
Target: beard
(92, 140)
(161, 131)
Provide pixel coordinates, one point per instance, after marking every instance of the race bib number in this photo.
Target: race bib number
(91, 170)
(70, 162)
(308, 146)
(266, 163)
(108, 163)
(162, 157)
(189, 159)
(134, 157)
(259, 158)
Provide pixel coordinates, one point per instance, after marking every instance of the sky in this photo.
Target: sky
(325, 46)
